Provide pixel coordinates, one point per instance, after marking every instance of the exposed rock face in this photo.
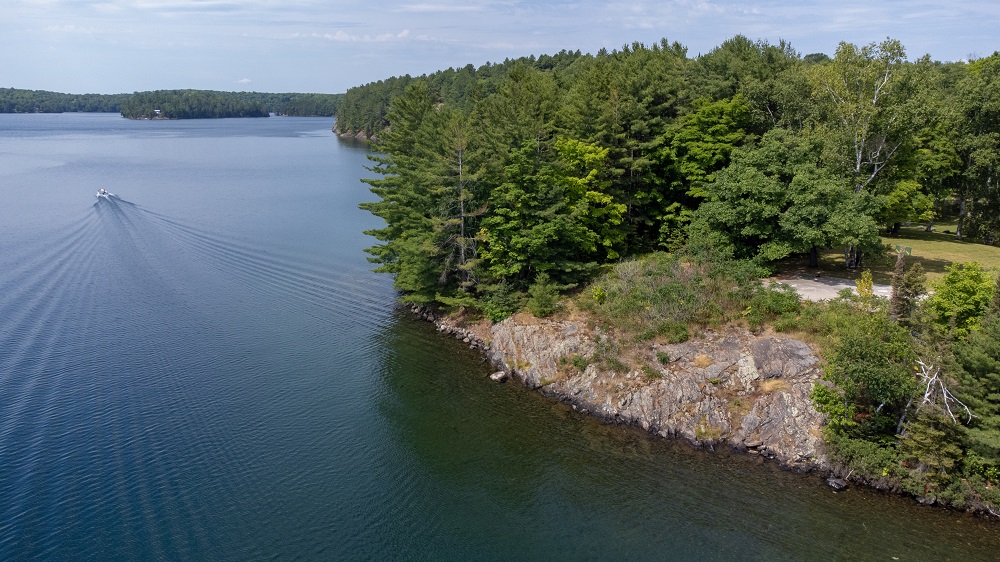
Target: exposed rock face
(749, 391)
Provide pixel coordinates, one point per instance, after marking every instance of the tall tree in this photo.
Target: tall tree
(761, 73)
(861, 95)
(862, 92)
(551, 215)
(979, 147)
(424, 197)
(979, 358)
(624, 102)
(775, 199)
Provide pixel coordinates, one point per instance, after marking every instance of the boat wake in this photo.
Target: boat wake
(90, 274)
(108, 196)
(127, 336)
(310, 283)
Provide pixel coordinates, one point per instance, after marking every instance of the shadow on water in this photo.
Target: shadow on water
(569, 486)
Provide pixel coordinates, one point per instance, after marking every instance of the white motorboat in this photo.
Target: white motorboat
(103, 193)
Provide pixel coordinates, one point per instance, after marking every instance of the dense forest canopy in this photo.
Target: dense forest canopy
(502, 186)
(557, 164)
(363, 109)
(13, 100)
(172, 104)
(190, 104)
(193, 104)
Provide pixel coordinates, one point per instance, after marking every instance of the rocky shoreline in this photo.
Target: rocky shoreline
(749, 392)
(358, 135)
(733, 388)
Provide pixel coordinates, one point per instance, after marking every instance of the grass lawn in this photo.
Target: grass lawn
(935, 251)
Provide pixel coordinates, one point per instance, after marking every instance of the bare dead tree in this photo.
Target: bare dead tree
(935, 392)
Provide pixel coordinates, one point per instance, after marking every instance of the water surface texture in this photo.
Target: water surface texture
(202, 366)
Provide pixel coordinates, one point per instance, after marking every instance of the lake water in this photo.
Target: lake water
(203, 367)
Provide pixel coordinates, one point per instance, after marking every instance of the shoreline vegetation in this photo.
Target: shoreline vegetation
(755, 383)
(172, 104)
(644, 195)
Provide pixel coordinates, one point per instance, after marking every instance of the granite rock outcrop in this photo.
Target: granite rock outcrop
(730, 387)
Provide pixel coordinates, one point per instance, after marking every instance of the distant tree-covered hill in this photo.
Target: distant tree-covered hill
(196, 104)
(362, 110)
(172, 104)
(191, 104)
(313, 105)
(14, 100)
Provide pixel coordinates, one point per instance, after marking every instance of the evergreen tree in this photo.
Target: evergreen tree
(409, 199)
(931, 448)
(978, 356)
(908, 285)
(550, 215)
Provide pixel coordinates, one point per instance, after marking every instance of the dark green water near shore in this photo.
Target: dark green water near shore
(203, 367)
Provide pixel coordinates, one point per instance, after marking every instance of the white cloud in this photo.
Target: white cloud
(440, 8)
(345, 37)
(73, 29)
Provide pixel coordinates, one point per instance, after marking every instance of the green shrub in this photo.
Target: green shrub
(674, 332)
(599, 294)
(961, 299)
(770, 303)
(660, 294)
(501, 301)
(543, 296)
(651, 373)
(606, 355)
(865, 458)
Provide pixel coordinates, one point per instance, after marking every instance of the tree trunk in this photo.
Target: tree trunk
(814, 257)
(852, 257)
(897, 304)
(461, 214)
(961, 217)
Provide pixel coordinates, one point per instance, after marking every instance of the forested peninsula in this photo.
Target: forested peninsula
(647, 195)
(172, 104)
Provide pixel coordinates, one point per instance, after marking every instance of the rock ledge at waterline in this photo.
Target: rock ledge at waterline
(732, 387)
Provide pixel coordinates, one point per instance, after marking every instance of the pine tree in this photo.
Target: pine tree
(907, 288)
(930, 446)
(410, 199)
(978, 355)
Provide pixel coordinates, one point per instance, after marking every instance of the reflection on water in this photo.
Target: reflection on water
(203, 367)
(520, 475)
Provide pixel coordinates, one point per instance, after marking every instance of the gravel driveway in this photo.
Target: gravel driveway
(819, 288)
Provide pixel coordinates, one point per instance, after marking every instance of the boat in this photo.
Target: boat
(103, 193)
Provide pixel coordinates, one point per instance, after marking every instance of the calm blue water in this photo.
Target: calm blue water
(203, 367)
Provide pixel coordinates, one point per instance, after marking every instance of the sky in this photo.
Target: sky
(121, 46)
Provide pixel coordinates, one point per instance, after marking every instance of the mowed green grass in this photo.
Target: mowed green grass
(934, 251)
